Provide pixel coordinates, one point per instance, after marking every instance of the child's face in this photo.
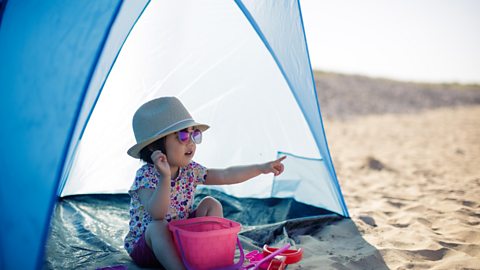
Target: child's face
(179, 153)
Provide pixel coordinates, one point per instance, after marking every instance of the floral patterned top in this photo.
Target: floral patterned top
(182, 191)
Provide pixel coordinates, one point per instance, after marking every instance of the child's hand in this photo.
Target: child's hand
(276, 167)
(161, 163)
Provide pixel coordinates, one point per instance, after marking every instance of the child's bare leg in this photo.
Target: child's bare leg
(209, 206)
(159, 239)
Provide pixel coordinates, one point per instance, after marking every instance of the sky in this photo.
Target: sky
(413, 40)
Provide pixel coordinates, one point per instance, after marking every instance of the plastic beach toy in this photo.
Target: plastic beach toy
(256, 256)
(291, 255)
(207, 242)
(278, 263)
(254, 265)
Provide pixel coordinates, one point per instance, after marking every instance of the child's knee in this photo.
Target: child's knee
(212, 202)
(211, 206)
(155, 230)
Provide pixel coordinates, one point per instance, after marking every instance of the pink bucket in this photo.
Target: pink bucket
(207, 242)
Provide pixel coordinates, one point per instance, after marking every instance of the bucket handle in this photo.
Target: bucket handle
(231, 267)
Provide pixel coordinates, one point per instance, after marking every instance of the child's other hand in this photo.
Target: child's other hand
(161, 163)
(276, 167)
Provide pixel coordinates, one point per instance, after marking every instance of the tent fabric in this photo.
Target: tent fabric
(214, 46)
(72, 75)
(300, 182)
(126, 17)
(48, 51)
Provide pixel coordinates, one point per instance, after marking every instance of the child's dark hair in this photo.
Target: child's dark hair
(147, 151)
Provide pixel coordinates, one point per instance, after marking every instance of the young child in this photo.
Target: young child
(164, 187)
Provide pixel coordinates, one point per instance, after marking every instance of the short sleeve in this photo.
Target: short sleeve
(146, 177)
(199, 172)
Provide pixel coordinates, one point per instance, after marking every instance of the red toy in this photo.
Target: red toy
(291, 255)
(257, 260)
(278, 263)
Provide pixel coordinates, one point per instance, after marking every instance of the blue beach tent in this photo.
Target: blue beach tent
(72, 73)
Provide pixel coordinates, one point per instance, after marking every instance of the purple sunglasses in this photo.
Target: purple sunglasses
(195, 136)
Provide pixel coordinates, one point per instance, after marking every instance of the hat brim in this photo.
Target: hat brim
(134, 151)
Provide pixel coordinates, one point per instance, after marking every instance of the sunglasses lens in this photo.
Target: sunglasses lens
(197, 136)
(183, 136)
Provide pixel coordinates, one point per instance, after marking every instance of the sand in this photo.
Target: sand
(411, 181)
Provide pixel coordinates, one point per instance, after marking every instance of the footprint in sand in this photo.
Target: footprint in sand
(368, 220)
(374, 164)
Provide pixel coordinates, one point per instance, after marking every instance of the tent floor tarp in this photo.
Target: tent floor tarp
(87, 231)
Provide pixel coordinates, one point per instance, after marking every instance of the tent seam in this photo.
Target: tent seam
(282, 71)
(339, 191)
(277, 62)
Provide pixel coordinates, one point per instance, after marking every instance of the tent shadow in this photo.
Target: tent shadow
(329, 240)
(328, 243)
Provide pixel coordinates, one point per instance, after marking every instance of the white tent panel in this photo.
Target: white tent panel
(206, 61)
(307, 180)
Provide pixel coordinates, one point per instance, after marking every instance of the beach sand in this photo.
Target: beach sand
(410, 175)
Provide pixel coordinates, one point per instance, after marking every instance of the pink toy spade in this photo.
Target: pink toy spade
(256, 264)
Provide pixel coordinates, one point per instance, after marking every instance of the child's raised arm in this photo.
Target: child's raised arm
(157, 201)
(238, 174)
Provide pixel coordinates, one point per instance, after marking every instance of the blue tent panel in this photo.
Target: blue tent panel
(48, 51)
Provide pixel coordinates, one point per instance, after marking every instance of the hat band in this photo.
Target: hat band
(172, 125)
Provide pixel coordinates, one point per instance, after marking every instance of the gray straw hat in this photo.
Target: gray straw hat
(158, 118)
